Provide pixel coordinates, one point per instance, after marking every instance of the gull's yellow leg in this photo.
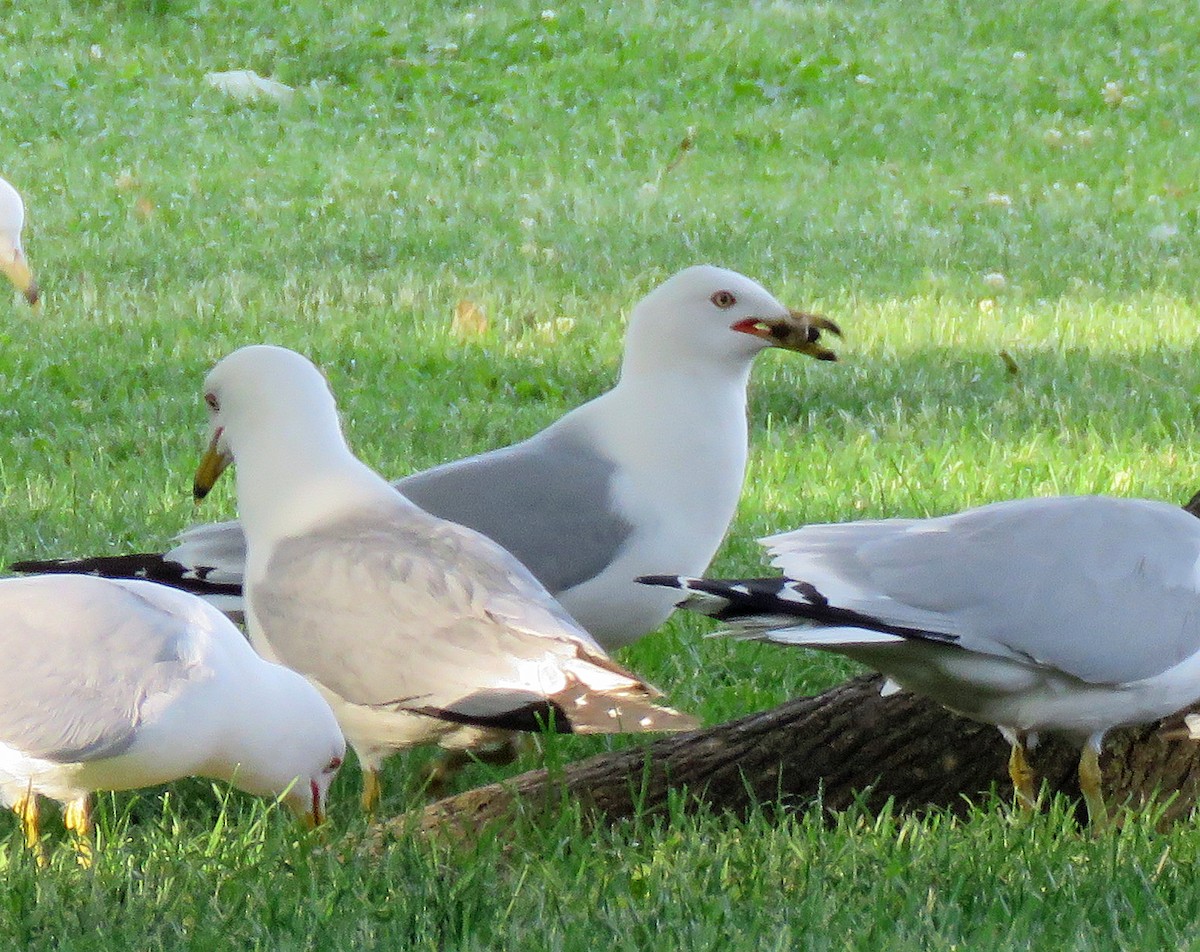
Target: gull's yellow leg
(505, 752)
(77, 817)
(1090, 785)
(372, 792)
(443, 771)
(497, 754)
(1023, 777)
(27, 809)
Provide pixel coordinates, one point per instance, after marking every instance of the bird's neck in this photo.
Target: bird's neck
(299, 481)
(684, 397)
(251, 738)
(678, 435)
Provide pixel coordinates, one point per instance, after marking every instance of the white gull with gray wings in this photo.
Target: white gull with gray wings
(644, 478)
(415, 629)
(1068, 614)
(110, 685)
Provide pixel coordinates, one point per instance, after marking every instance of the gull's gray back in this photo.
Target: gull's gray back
(547, 500)
(1071, 582)
(81, 655)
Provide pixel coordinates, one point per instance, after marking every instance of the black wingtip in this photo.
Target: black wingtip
(139, 566)
(575, 709)
(31, 567)
(537, 717)
(53, 567)
(664, 581)
(828, 325)
(776, 597)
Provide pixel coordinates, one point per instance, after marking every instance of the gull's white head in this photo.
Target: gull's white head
(12, 255)
(268, 397)
(708, 315)
(293, 748)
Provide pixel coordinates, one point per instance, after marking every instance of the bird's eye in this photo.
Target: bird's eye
(211, 400)
(723, 299)
(334, 764)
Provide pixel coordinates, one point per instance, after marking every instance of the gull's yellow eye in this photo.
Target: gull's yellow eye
(723, 299)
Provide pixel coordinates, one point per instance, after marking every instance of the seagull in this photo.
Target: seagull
(113, 685)
(415, 630)
(12, 257)
(1071, 615)
(643, 478)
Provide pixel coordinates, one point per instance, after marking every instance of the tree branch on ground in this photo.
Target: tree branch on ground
(844, 746)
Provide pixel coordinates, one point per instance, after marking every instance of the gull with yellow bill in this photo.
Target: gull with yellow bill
(646, 477)
(415, 630)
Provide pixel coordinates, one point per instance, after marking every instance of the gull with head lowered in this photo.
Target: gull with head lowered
(644, 478)
(112, 685)
(1072, 615)
(415, 629)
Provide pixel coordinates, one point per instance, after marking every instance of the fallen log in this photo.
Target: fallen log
(848, 745)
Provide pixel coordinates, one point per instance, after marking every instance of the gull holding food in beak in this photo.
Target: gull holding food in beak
(644, 478)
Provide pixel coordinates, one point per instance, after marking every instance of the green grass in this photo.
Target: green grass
(870, 160)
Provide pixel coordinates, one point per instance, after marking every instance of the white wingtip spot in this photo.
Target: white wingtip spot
(645, 722)
(581, 701)
(614, 713)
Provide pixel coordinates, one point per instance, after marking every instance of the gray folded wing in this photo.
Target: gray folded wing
(395, 608)
(214, 553)
(81, 657)
(547, 500)
(1069, 582)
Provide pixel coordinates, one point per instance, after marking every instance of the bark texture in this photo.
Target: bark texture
(846, 745)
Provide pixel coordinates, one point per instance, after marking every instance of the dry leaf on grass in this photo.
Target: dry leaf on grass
(469, 320)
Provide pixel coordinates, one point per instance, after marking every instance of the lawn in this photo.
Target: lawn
(947, 181)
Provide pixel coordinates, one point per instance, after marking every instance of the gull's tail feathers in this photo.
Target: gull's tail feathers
(148, 567)
(787, 611)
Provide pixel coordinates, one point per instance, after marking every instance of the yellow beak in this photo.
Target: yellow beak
(212, 464)
(798, 331)
(17, 271)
